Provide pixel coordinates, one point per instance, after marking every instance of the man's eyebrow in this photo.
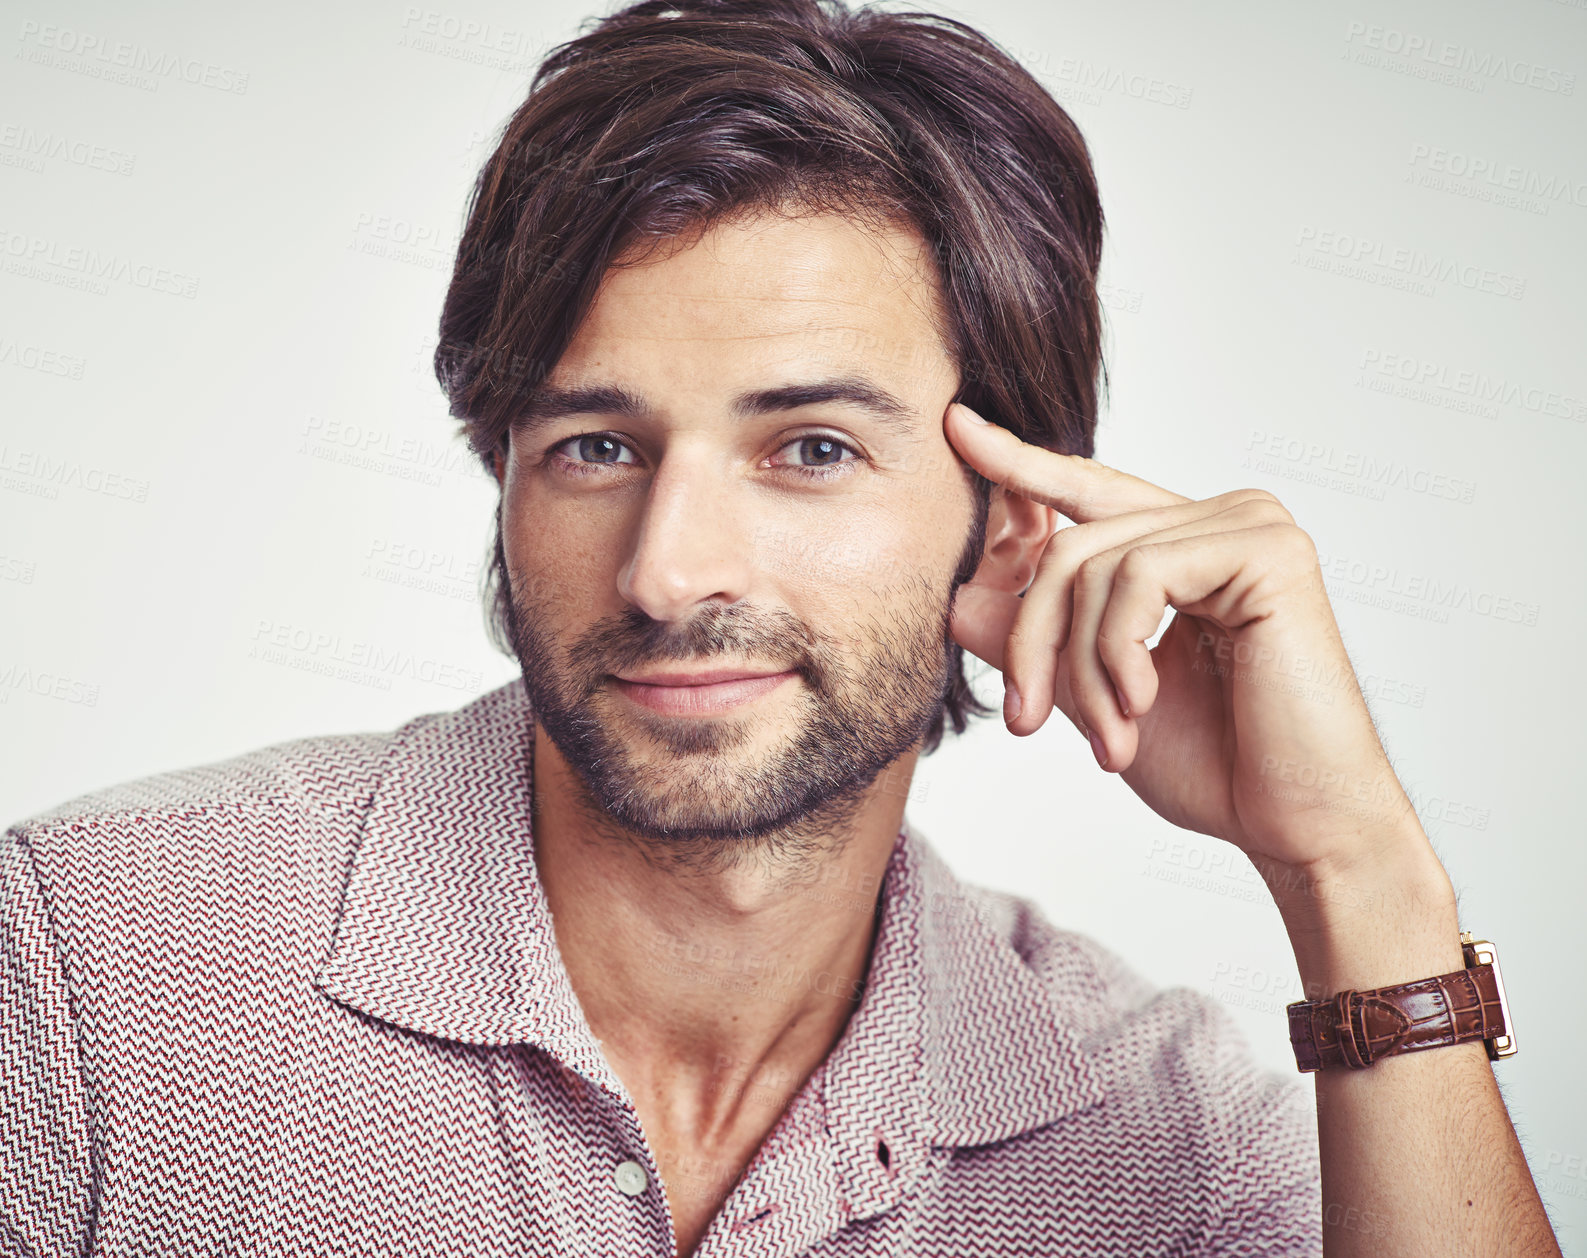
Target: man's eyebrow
(849, 389)
(548, 401)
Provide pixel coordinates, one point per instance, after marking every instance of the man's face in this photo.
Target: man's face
(686, 512)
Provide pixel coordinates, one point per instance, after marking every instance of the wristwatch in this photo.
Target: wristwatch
(1354, 1029)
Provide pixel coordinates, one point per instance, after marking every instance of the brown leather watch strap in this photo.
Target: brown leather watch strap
(1354, 1029)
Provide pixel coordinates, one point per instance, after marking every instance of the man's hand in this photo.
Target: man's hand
(1245, 721)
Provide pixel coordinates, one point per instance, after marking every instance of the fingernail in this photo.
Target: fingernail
(1011, 702)
(971, 415)
(1097, 749)
(1124, 705)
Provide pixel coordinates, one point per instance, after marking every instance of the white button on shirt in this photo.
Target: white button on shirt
(631, 1178)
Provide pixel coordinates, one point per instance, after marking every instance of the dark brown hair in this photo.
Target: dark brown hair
(669, 116)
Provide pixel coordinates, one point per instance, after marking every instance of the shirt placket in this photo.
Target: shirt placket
(590, 1183)
(853, 1141)
(791, 1195)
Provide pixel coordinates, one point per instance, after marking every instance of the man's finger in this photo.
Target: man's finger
(1041, 627)
(1080, 488)
(980, 620)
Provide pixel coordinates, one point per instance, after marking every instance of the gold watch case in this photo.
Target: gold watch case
(1482, 952)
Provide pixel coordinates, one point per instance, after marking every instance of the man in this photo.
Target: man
(777, 326)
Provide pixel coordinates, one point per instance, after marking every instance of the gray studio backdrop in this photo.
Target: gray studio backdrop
(1346, 263)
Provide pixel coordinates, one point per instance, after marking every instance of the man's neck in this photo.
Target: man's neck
(715, 990)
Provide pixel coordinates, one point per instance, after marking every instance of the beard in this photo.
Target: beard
(695, 792)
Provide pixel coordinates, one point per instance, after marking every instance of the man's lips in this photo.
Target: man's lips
(699, 677)
(701, 693)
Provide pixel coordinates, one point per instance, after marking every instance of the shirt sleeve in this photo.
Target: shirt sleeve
(45, 1145)
(1270, 1182)
(1257, 1164)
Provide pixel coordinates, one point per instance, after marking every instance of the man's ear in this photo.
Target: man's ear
(1017, 530)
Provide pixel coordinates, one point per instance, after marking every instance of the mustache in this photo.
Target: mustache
(631, 640)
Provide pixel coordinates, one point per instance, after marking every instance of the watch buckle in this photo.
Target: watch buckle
(1482, 952)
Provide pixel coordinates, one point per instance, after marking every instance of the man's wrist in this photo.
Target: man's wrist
(1389, 917)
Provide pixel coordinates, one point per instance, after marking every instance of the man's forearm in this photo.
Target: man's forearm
(1418, 1152)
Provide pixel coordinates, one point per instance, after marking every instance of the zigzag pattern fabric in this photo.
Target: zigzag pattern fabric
(308, 1001)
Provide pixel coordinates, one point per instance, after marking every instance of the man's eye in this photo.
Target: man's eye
(822, 453)
(817, 457)
(593, 449)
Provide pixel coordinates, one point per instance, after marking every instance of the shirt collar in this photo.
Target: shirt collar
(444, 930)
(957, 1041)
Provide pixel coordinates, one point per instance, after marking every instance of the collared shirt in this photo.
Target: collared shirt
(309, 1001)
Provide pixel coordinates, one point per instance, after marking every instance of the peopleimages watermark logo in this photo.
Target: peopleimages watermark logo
(23, 148)
(1417, 594)
(32, 357)
(22, 571)
(89, 270)
(1075, 80)
(1117, 297)
(1422, 56)
(402, 240)
(1491, 181)
(120, 61)
(1397, 266)
(469, 39)
(41, 475)
(356, 660)
(16, 678)
(1463, 389)
(1331, 466)
(380, 450)
(422, 569)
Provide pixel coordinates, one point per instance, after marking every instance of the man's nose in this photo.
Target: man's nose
(692, 541)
